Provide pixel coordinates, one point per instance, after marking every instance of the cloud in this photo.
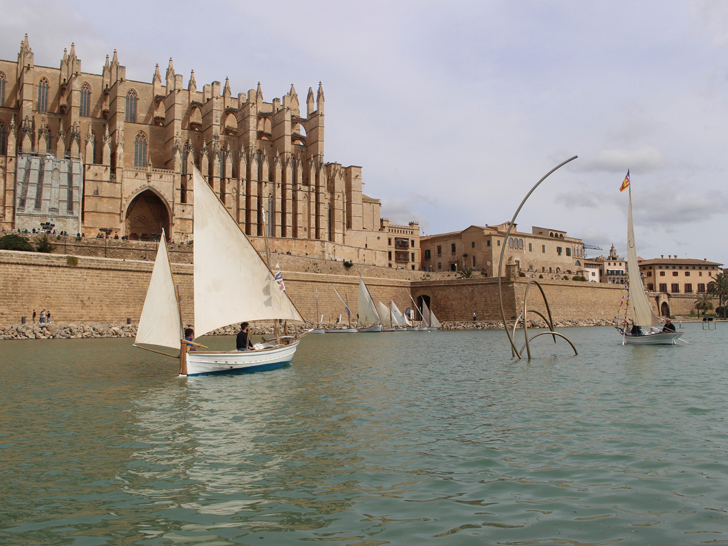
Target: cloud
(585, 199)
(400, 211)
(670, 209)
(644, 159)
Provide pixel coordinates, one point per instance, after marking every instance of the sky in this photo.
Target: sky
(455, 109)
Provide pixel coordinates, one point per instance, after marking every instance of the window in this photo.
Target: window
(43, 95)
(412, 243)
(687, 273)
(688, 288)
(131, 106)
(389, 241)
(85, 99)
(2, 88)
(474, 263)
(650, 287)
(439, 250)
(140, 150)
(530, 247)
(498, 242)
(662, 273)
(649, 273)
(663, 287)
(543, 249)
(439, 265)
(427, 254)
(675, 288)
(568, 252)
(390, 255)
(674, 273)
(701, 288)
(453, 248)
(413, 257)
(558, 250)
(487, 243)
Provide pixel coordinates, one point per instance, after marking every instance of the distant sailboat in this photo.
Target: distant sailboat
(399, 320)
(385, 313)
(342, 330)
(646, 326)
(232, 283)
(369, 320)
(318, 329)
(429, 320)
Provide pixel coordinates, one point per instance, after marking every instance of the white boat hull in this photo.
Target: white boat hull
(342, 331)
(207, 363)
(372, 328)
(660, 338)
(317, 331)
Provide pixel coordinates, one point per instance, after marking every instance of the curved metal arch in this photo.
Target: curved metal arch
(523, 314)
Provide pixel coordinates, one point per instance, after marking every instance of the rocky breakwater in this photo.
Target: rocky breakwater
(65, 331)
(498, 325)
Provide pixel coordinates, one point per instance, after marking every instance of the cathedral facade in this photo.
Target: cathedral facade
(97, 153)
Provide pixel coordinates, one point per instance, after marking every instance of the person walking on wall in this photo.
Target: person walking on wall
(34, 315)
(475, 318)
(42, 316)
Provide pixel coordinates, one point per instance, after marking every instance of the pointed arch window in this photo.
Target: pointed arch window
(131, 106)
(2, 88)
(43, 87)
(2, 138)
(140, 150)
(85, 100)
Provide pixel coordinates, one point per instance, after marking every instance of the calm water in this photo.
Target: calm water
(369, 439)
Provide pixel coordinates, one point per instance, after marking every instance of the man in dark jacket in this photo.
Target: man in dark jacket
(242, 342)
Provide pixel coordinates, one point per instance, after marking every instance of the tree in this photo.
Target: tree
(44, 245)
(718, 287)
(466, 273)
(13, 241)
(703, 302)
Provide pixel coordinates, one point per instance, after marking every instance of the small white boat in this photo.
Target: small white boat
(369, 320)
(646, 326)
(318, 329)
(429, 320)
(341, 330)
(223, 257)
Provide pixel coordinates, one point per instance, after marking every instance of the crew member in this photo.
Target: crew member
(242, 342)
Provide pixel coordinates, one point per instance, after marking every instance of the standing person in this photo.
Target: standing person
(48, 317)
(475, 318)
(243, 342)
(34, 315)
(42, 316)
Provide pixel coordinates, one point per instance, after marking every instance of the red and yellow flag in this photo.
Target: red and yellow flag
(625, 183)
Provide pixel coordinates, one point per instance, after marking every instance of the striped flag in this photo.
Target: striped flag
(279, 278)
(625, 183)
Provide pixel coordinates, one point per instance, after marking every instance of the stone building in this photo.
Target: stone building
(403, 244)
(612, 268)
(673, 275)
(98, 153)
(545, 253)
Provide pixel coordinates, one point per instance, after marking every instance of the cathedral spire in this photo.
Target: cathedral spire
(170, 76)
(320, 99)
(259, 93)
(309, 103)
(192, 86)
(226, 92)
(157, 76)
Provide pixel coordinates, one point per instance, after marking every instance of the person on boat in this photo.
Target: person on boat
(242, 342)
(189, 336)
(669, 326)
(636, 330)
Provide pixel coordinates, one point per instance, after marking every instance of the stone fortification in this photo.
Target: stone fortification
(93, 290)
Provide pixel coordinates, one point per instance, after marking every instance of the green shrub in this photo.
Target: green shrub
(72, 261)
(44, 245)
(348, 264)
(13, 241)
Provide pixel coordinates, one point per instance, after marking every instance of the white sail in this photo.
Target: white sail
(367, 310)
(398, 319)
(232, 282)
(639, 306)
(384, 314)
(434, 323)
(160, 323)
(425, 315)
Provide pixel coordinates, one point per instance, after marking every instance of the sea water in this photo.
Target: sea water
(369, 439)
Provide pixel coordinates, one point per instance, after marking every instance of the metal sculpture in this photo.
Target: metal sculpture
(524, 314)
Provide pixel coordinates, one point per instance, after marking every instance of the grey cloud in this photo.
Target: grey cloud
(645, 159)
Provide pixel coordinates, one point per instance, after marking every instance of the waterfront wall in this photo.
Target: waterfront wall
(105, 290)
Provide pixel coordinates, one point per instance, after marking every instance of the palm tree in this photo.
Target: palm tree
(718, 287)
(466, 273)
(703, 302)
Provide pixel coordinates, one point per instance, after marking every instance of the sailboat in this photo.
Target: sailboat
(385, 314)
(369, 320)
(232, 283)
(647, 327)
(399, 320)
(342, 330)
(429, 320)
(318, 329)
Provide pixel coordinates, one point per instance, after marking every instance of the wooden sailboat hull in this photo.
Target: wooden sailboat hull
(371, 329)
(660, 338)
(208, 363)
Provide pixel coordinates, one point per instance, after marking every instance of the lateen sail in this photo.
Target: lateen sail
(434, 323)
(428, 317)
(232, 282)
(639, 306)
(367, 311)
(384, 314)
(397, 317)
(160, 323)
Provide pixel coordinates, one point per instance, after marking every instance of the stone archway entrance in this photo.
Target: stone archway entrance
(664, 309)
(146, 217)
